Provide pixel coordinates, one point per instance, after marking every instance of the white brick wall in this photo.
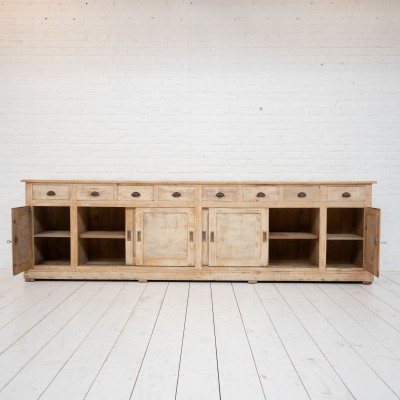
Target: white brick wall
(201, 89)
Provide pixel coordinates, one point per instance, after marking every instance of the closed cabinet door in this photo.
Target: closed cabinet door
(238, 237)
(165, 236)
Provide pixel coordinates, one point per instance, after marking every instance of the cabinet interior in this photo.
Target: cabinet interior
(293, 223)
(344, 253)
(345, 223)
(293, 252)
(51, 221)
(51, 232)
(101, 233)
(52, 250)
(101, 251)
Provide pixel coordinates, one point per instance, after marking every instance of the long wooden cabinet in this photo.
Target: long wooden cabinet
(251, 231)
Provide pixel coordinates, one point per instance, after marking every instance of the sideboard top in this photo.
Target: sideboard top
(124, 182)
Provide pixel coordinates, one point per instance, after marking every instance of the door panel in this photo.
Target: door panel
(165, 236)
(22, 239)
(238, 237)
(371, 240)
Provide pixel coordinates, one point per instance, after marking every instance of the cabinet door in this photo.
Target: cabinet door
(238, 237)
(165, 236)
(22, 239)
(371, 240)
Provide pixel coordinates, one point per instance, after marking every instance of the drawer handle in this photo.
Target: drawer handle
(135, 194)
(301, 194)
(220, 194)
(95, 194)
(346, 194)
(260, 194)
(176, 194)
(51, 193)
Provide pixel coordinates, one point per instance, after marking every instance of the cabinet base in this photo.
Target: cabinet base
(246, 274)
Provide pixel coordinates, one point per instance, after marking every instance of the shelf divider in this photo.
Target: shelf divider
(292, 235)
(102, 235)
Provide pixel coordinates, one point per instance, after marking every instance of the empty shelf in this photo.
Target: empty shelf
(343, 236)
(103, 235)
(55, 234)
(292, 235)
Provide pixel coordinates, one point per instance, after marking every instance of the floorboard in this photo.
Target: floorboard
(199, 340)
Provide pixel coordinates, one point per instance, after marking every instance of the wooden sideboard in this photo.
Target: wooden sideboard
(231, 231)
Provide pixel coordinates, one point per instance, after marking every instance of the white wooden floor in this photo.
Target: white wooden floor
(129, 340)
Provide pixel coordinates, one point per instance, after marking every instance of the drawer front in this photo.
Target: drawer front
(176, 193)
(260, 193)
(346, 193)
(50, 192)
(95, 192)
(301, 193)
(137, 193)
(220, 193)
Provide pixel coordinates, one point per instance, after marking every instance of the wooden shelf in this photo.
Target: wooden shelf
(113, 261)
(291, 264)
(54, 262)
(292, 235)
(342, 266)
(343, 236)
(102, 235)
(54, 234)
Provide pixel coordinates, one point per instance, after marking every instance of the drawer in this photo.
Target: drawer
(260, 193)
(346, 193)
(137, 193)
(176, 193)
(50, 192)
(220, 193)
(95, 192)
(301, 193)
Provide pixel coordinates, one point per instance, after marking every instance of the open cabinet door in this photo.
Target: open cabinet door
(372, 239)
(22, 239)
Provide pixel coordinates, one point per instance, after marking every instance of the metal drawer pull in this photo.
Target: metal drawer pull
(176, 194)
(220, 194)
(95, 194)
(203, 236)
(139, 236)
(212, 237)
(135, 194)
(260, 194)
(346, 194)
(264, 236)
(51, 193)
(128, 236)
(191, 236)
(301, 194)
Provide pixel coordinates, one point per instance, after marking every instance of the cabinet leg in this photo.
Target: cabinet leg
(142, 280)
(29, 280)
(252, 281)
(366, 282)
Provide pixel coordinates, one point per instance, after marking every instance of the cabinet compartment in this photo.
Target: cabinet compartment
(344, 254)
(293, 253)
(101, 222)
(293, 223)
(345, 224)
(101, 251)
(51, 221)
(52, 251)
